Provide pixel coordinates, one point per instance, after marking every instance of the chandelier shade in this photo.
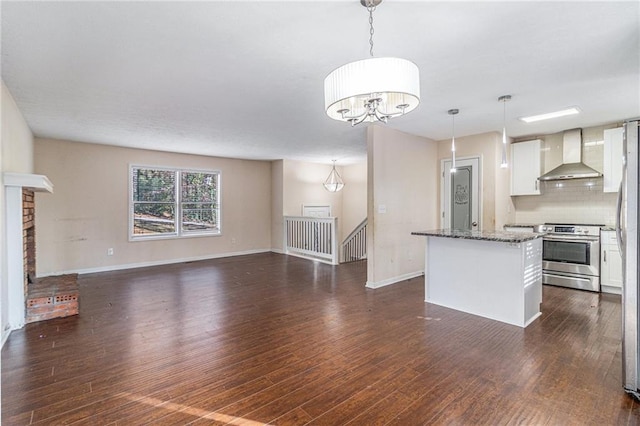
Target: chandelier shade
(334, 182)
(374, 88)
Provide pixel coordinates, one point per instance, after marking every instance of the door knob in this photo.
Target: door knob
(474, 223)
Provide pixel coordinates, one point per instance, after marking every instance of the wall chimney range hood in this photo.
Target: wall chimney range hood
(572, 166)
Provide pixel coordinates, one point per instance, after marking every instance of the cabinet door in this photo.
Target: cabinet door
(612, 166)
(525, 168)
(615, 267)
(610, 263)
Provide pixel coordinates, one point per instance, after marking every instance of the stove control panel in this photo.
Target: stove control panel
(570, 229)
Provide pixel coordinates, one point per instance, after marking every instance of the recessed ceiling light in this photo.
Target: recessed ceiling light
(547, 116)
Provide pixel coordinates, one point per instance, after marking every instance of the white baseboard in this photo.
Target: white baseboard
(5, 336)
(394, 280)
(156, 263)
(328, 262)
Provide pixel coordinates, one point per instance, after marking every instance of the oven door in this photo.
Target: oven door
(573, 255)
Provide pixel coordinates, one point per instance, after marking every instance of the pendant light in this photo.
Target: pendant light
(452, 113)
(334, 182)
(373, 89)
(504, 99)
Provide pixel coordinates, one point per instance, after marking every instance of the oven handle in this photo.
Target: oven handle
(572, 240)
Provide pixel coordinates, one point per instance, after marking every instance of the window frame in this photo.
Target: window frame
(179, 231)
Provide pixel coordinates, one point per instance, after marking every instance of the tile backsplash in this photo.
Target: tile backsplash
(568, 201)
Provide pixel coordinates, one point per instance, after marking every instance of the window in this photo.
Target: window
(173, 203)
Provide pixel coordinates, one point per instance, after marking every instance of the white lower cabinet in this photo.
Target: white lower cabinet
(610, 263)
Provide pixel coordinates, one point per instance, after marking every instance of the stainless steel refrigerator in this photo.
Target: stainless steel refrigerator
(627, 233)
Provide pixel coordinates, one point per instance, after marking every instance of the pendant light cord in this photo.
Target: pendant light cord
(453, 127)
(371, 8)
(504, 117)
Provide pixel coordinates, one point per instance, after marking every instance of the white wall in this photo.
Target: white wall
(88, 212)
(402, 197)
(16, 155)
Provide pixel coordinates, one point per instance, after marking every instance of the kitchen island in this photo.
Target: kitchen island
(496, 275)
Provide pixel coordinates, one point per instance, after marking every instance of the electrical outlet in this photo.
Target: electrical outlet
(109, 252)
(233, 240)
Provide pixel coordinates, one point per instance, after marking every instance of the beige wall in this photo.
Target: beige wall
(354, 197)
(16, 156)
(497, 208)
(277, 194)
(88, 213)
(303, 185)
(298, 183)
(402, 197)
(17, 139)
(505, 211)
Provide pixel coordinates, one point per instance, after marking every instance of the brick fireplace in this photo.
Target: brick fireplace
(49, 297)
(28, 236)
(28, 298)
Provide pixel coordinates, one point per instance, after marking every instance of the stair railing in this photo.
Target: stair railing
(354, 247)
(312, 237)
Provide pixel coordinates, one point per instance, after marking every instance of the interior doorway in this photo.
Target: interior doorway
(460, 194)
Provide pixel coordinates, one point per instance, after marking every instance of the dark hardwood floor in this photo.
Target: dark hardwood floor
(274, 339)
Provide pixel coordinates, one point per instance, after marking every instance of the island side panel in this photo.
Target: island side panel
(426, 268)
(532, 261)
(483, 278)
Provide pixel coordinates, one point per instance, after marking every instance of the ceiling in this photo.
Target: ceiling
(245, 79)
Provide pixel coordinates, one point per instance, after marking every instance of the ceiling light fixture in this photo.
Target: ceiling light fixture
(373, 89)
(549, 115)
(504, 99)
(334, 182)
(452, 113)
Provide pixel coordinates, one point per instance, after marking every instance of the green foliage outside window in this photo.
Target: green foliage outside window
(156, 202)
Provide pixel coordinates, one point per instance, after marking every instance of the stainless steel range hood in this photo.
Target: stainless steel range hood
(572, 166)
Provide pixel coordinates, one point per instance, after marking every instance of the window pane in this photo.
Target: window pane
(153, 218)
(154, 185)
(199, 201)
(199, 187)
(199, 217)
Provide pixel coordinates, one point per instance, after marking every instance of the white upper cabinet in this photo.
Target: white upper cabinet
(526, 167)
(612, 167)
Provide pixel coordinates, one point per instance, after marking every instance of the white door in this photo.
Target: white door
(460, 201)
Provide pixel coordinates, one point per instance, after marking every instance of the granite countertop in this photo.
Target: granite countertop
(500, 236)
